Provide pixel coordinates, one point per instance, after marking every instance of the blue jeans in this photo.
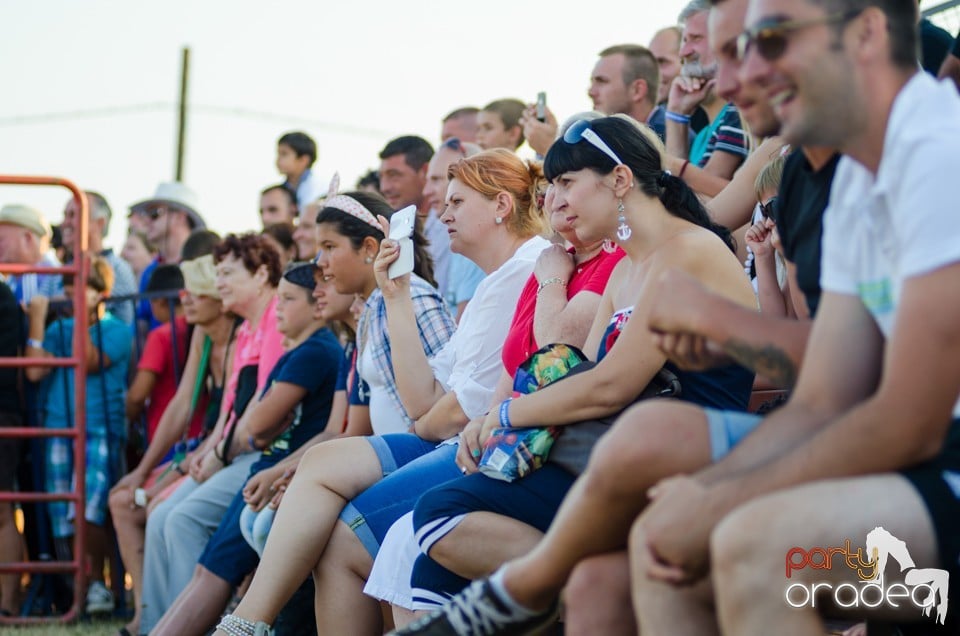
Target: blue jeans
(411, 466)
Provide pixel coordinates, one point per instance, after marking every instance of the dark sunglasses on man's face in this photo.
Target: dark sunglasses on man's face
(770, 37)
(155, 213)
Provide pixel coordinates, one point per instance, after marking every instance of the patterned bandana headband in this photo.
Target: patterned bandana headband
(347, 204)
(353, 208)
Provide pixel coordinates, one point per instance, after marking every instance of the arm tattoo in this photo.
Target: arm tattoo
(767, 360)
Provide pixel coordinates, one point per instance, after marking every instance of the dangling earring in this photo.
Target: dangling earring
(499, 220)
(623, 230)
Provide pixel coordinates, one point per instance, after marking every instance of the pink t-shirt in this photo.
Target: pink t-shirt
(591, 275)
(262, 347)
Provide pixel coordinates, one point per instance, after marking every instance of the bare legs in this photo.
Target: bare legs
(750, 590)
(129, 522)
(11, 550)
(661, 608)
(482, 542)
(750, 595)
(329, 475)
(198, 606)
(341, 606)
(597, 598)
(96, 550)
(649, 442)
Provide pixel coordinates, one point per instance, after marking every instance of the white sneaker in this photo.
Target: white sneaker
(99, 599)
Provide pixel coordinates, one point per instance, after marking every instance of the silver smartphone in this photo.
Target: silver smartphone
(401, 230)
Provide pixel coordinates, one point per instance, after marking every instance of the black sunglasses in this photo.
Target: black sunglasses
(766, 209)
(153, 213)
(770, 37)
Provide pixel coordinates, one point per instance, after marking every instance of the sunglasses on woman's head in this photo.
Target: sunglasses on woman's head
(771, 36)
(581, 131)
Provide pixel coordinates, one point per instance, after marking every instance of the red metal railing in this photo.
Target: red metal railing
(79, 268)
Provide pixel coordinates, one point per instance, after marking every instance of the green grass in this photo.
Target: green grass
(86, 628)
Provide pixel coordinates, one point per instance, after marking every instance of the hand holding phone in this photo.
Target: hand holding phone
(401, 231)
(541, 106)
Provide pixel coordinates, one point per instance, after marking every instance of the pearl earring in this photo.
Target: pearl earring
(499, 220)
(368, 260)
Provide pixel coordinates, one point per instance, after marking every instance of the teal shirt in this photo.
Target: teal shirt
(106, 391)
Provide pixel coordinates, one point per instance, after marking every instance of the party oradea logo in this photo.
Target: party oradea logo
(924, 588)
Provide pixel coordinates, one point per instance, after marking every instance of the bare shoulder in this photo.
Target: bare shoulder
(619, 272)
(702, 254)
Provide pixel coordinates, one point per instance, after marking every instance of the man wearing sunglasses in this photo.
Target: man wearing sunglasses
(171, 215)
(772, 347)
(871, 436)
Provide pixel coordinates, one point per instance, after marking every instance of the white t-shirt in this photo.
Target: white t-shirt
(469, 364)
(384, 415)
(310, 188)
(880, 230)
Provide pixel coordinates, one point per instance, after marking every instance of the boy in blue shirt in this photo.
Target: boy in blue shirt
(296, 153)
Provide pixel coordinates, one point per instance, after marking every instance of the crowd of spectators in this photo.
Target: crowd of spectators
(551, 414)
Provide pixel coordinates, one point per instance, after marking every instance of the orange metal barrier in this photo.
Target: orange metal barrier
(79, 268)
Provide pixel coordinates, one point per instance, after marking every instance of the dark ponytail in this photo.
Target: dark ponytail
(681, 201)
(356, 230)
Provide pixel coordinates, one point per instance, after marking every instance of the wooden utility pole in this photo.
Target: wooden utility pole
(182, 115)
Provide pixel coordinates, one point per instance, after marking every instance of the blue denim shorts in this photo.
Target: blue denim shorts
(411, 466)
(727, 429)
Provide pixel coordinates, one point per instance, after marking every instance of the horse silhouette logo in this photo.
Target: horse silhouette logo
(884, 546)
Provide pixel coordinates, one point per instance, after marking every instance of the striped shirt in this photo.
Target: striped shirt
(725, 134)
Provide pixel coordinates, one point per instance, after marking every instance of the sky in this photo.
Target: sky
(91, 86)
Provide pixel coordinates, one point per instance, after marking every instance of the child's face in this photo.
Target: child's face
(93, 296)
(288, 163)
(161, 309)
(491, 132)
(295, 309)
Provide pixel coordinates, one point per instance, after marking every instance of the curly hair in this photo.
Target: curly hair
(253, 251)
